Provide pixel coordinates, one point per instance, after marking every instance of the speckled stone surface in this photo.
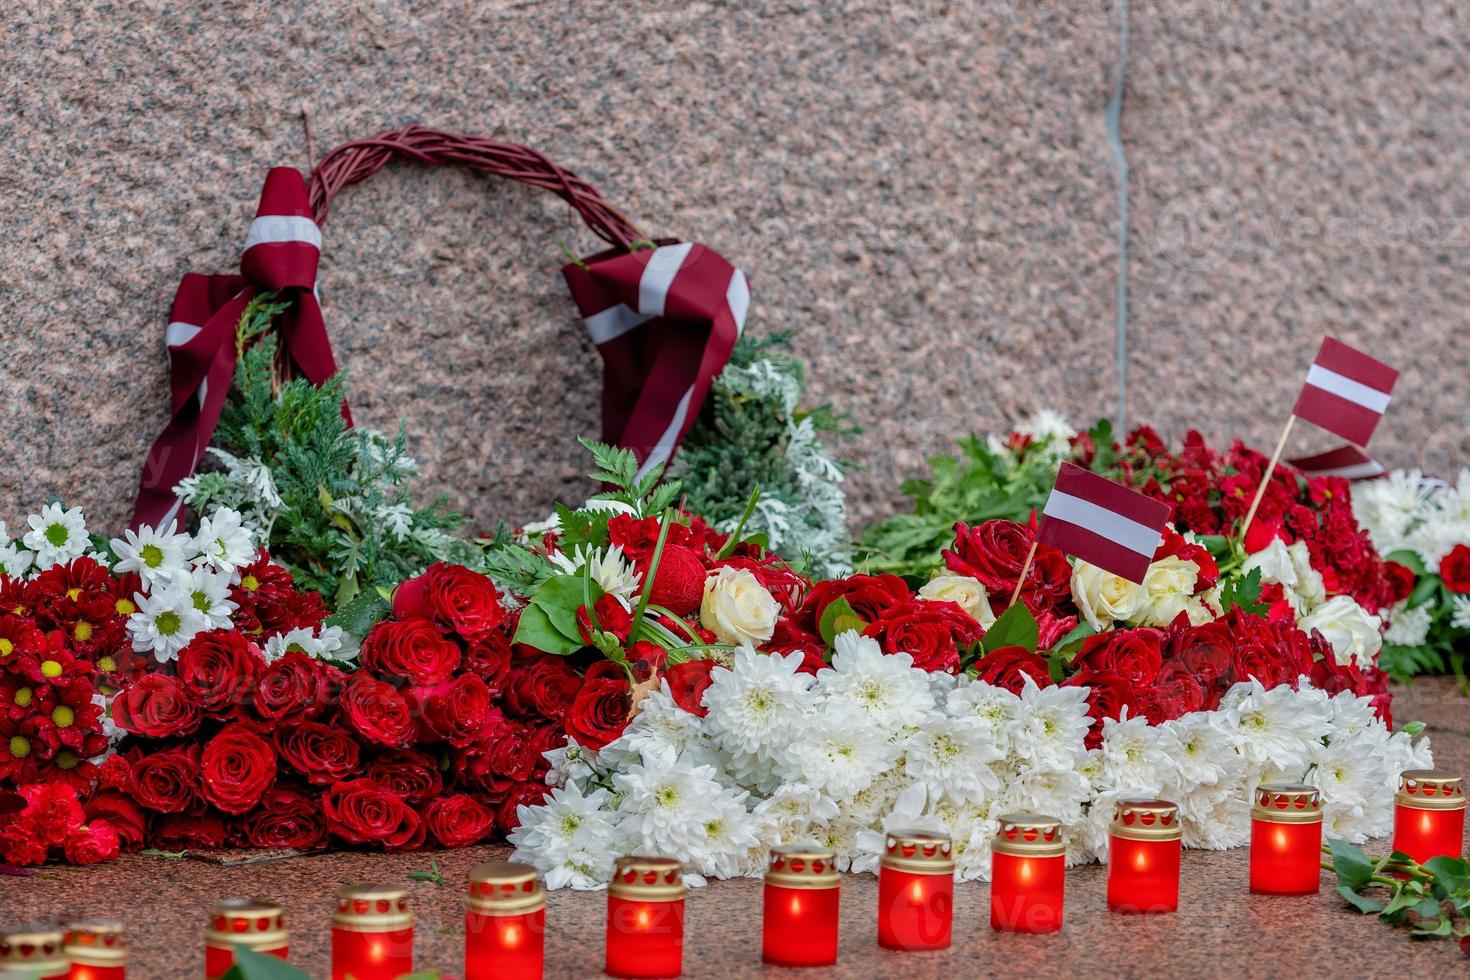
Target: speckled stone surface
(1221, 930)
(923, 191)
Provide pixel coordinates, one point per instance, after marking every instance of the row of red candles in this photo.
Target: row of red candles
(505, 914)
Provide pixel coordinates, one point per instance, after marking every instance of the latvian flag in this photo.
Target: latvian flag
(1348, 462)
(1346, 392)
(1101, 522)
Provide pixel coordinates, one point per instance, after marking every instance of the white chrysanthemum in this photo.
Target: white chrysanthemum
(661, 725)
(1087, 838)
(1206, 755)
(1052, 726)
(613, 572)
(662, 806)
(1460, 611)
(569, 838)
(971, 828)
(571, 765)
(994, 708)
(56, 536)
(758, 706)
(908, 812)
(328, 643)
(15, 561)
(210, 592)
(1356, 798)
(792, 813)
(158, 557)
(1437, 537)
(1279, 727)
(952, 757)
(888, 691)
(1389, 507)
(1216, 819)
(223, 542)
(1408, 627)
(1048, 429)
(731, 848)
(1135, 756)
(1059, 793)
(165, 622)
(110, 730)
(839, 751)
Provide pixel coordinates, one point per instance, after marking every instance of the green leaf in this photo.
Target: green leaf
(535, 630)
(1015, 627)
(1353, 867)
(359, 616)
(549, 622)
(1450, 873)
(250, 965)
(1368, 906)
(1425, 590)
(1410, 560)
(1443, 927)
(838, 618)
(1069, 645)
(1244, 592)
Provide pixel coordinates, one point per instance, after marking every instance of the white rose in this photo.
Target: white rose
(1309, 585)
(737, 608)
(1167, 589)
(965, 592)
(1353, 632)
(1104, 597)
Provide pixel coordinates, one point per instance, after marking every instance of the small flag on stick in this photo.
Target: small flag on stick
(1346, 392)
(1348, 462)
(1102, 522)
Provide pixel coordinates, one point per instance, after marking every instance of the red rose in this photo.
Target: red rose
(185, 831)
(455, 598)
(409, 773)
(930, 632)
(600, 712)
(377, 711)
(322, 753)
(1398, 582)
(678, 583)
(546, 687)
(1208, 652)
(124, 816)
(995, 552)
(1454, 568)
(459, 820)
(1008, 667)
(235, 769)
(218, 670)
(167, 781)
(489, 658)
(509, 753)
(1175, 693)
(1136, 655)
(359, 811)
(294, 686)
(411, 648)
(155, 706)
(286, 818)
(458, 711)
(93, 843)
(526, 794)
(611, 618)
(646, 659)
(1107, 696)
(870, 596)
(688, 682)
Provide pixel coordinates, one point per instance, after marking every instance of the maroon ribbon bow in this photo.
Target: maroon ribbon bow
(281, 254)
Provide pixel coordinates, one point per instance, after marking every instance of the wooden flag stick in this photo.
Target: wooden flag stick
(1025, 570)
(1266, 478)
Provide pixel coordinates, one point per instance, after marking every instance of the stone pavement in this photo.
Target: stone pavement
(1220, 930)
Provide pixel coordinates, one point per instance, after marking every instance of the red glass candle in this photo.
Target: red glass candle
(372, 933)
(1429, 815)
(1286, 840)
(916, 891)
(802, 888)
(645, 918)
(1028, 868)
(504, 923)
(1143, 857)
(95, 950)
(257, 925)
(32, 953)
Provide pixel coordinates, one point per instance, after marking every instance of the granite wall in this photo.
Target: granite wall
(923, 191)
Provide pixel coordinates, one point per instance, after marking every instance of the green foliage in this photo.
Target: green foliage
(1015, 627)
(1432, 899)
(981, 484)
(433, 875)
(250, 965)
(752, 435)
(1244, 592)
(332, 500)
(838, 618)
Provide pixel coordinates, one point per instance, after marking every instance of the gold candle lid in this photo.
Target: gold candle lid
(802, 866)
(923, 852)
(372, 908)
(1029, 835)
(1146, 820)
(1430, 789)
(505, 888)
(95, 942)
(649, 879)
(1287, 803)
(30, 950)
(247, 922)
